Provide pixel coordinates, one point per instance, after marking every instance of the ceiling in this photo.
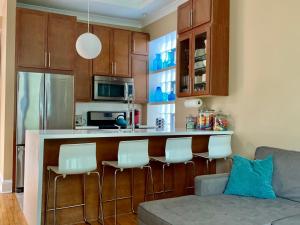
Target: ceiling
(127, 9)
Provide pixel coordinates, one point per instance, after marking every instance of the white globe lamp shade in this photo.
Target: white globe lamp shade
(88, 46)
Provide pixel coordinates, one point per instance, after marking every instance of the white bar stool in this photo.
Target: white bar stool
(131, 155)
(219, 147)
(177, 150)
(74, 159)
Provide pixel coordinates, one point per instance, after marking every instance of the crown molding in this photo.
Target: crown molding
(164, 11)
(96, 18)
(83, 16)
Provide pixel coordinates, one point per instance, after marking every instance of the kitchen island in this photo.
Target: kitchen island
(42, 150)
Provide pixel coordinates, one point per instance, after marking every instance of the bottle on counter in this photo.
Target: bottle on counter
(190, 122)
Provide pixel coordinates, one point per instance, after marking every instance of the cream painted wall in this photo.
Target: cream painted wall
(8, 8)
(264, 74)
(162, 26)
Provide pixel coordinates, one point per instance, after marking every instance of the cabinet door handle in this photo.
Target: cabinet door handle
(191, 18)
(112, 67)
(45, 59)
(133, 46)
(115, 68)
(49, 59)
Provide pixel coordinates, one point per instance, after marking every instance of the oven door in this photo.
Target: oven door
(110, 90)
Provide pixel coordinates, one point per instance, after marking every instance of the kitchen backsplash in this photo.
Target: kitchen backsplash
(81, 108)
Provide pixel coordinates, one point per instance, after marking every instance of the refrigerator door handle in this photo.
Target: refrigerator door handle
(42, 103)
(46, 101)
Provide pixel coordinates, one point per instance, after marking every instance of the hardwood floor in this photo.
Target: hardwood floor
(11, 213)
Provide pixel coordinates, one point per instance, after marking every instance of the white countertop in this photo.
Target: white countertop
(66, 134)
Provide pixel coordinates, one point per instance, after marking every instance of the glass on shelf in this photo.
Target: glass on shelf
(184, 70)
(200, 63)
(162, 86)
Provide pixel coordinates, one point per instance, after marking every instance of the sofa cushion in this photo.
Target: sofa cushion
(215, 210)
(291, 220)
(286, 175)
(251, 178)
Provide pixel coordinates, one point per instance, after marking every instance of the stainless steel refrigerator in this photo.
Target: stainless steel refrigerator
(44, 101)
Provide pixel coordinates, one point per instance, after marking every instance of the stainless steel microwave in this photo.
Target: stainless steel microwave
(112, 88)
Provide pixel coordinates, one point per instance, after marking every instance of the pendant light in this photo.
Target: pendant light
(88, 45)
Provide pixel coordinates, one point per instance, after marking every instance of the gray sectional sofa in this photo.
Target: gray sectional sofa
(209, 206)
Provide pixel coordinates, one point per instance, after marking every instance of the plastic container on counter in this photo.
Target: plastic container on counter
(220, 122)
(205, 120)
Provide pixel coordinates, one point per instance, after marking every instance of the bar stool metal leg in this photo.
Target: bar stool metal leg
(194, 171)
(152, 182)
(55, 198)
(163, 171)
(47, 197)
(100, 209)
(149, 172)
(116, 194)
(132, 190)
(207, 167)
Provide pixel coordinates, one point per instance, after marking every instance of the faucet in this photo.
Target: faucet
(130, 105)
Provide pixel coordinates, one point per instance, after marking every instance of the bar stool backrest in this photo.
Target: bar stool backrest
(133, 154)
(77, 158)
(219, 146)
(178, 150)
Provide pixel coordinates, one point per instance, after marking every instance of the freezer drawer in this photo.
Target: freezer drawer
(20, 161)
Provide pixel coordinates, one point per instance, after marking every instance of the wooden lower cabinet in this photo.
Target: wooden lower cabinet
(83, 77)
(139, 65)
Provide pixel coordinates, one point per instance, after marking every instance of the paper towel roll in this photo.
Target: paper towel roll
(193, 103)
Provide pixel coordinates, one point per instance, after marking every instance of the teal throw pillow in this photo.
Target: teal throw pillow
(251, 178)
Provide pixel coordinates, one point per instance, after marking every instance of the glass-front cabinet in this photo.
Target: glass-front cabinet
(184, 65)
(203, 49)
(200, 61)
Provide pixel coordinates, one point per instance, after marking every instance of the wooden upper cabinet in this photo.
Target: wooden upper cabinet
(31, 39)
(139, 65)
(121, 46)
(201, 12)
(203, 51)
(45, 40)
(83, 78)
(102, 65)
(140, 43)
(184, 20)
(61, 42)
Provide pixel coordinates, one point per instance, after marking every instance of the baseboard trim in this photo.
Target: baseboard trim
(5, 186)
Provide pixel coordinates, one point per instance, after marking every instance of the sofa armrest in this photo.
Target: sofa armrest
(211, 184)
